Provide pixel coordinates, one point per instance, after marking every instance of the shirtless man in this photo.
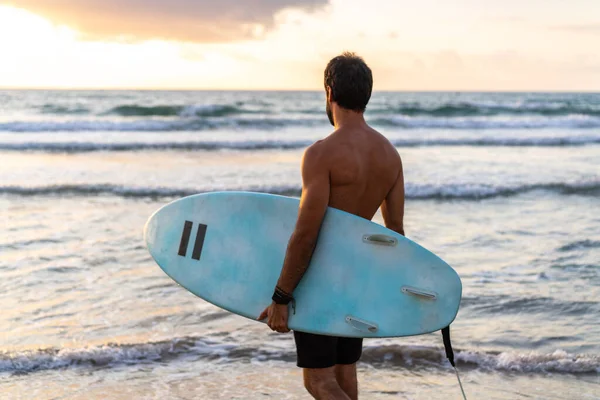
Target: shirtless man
(355, 169)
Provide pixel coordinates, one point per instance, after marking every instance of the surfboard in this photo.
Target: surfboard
(364, 280)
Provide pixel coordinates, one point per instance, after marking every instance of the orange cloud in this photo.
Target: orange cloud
(184, 20)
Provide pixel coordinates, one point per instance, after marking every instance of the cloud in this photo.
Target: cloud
(201, 21)
(581, 28)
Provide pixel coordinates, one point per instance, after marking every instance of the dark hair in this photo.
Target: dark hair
(350, 80)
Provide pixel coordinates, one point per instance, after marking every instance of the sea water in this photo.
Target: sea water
(503, 186)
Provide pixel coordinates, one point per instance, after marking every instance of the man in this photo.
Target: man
(355, 169)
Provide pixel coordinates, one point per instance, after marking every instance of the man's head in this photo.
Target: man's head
(348, 83)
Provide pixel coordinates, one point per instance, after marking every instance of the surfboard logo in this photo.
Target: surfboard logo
(185, 239)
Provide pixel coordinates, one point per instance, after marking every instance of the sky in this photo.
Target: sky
(540, 45)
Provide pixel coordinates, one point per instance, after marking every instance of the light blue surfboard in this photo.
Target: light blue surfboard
(364, 280)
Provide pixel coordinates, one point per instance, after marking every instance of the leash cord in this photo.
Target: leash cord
(460, 384)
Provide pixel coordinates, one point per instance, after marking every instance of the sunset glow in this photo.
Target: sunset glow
(421, 46)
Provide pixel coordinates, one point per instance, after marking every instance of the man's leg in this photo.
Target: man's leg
(345, 374)
(322, 384)
(348, 353)
(317, 357)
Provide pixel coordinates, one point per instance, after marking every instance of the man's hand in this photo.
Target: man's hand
(277, 317)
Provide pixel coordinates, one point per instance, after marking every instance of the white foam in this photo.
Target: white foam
(498, 122)
(109, 354)
(423, 192)
(74, 143)
(558, 361)
(112, 354)
(197, 118)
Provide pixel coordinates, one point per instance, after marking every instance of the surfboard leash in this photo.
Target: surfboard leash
(450, 356)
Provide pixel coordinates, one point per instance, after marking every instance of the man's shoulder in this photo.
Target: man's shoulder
(315, 159)
(380, 136)
(315, 153)
(317, 149)
(386, 144)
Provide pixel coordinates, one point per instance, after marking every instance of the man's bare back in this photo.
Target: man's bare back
(363, 166)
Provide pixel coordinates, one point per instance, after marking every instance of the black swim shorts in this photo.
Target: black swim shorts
(319, 351)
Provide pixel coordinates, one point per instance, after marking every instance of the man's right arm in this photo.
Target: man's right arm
(392, 207)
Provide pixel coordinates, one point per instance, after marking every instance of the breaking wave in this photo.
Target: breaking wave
(471, 109)
(229, 119)
(420, 192)
(113, 354)
(211, 110)
(80, 147)
(412, 109)
(152, 125)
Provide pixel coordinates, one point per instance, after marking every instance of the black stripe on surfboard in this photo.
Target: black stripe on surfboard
(199, 242)
(185, 238)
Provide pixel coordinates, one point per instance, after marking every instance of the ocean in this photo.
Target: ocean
(503, 186)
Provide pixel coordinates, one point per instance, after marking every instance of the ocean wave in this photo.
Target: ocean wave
(530, 362)
(580, 244)
(209, 110)
(131, 192)
(480, 191)
(502, 304)
(418, 192)
(82, 147)
(106, 355)
(483, 123)
(472, 109)
(268, 122)
(154, 125)
(114, 354)
(450, 109)
(63, 109)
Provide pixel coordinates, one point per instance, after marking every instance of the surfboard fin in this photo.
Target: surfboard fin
(450, 356)
(448, 345)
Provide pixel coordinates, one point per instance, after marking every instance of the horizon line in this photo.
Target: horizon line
(591, 91)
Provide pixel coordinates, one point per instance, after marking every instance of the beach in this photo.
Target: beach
(505, 187)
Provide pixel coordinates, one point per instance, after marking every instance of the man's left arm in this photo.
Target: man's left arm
(313, 206)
